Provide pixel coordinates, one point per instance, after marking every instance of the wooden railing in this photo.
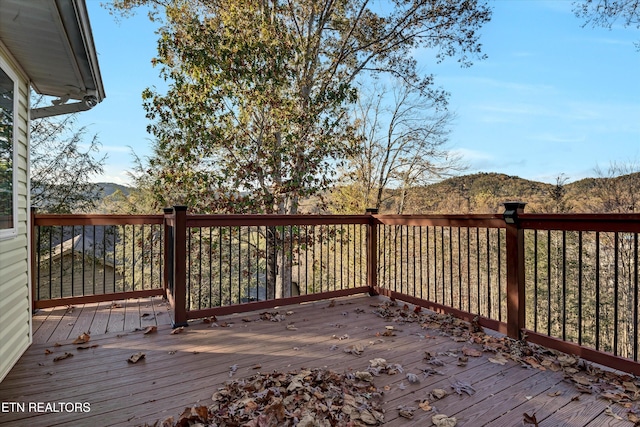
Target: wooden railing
(568, 282)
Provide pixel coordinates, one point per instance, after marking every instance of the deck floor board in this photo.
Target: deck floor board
(180, 370)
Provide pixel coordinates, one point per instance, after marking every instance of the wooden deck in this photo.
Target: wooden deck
(184, 369)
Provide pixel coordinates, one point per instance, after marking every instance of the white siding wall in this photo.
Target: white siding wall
(15, 305)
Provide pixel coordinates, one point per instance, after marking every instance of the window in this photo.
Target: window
(8, 195)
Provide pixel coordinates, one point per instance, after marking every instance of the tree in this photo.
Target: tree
(605, 13)
(256, 112)
(403, 138)
(63, 161)
(256, 117)
(617, 189)
(557, 194)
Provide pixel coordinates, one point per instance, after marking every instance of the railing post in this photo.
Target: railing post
(515, 269)
(180, 266)
(167, 270)
(34, 251)
(372, 251)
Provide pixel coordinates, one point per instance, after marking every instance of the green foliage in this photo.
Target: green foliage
(256, 115)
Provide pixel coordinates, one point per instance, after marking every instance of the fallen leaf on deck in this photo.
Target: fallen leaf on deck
(425, 406)
(610, 413)
(462, 361)
(116, 305)
(530, 419)
(150, 330)
(292, 327)
(554, 394)
(136, 357)
(633, 417)
(471, 352)
(581, 379)
(177, 330)
(437, 394)
(82, 338)
(462, 387)
(57, 344)
(143, 315)
(193, 416)
(356, 349)
(64, 356)
(412, 378)
(534, 363)
(232, 369)
(499, 360)
(211, 319)
(256, 367)
(289, 313)
(441, 420)
(47, 351)
(364, 376)
(246, 320)
(87, 347)
(332, 303)
(406, 412)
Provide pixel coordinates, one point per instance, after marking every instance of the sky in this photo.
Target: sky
(552, 98)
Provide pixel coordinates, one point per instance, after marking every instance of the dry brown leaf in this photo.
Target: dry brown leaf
(356, 349)
(211, 319)
(177, 331)
(441, 420)
(47, 351)
(471, 352)
(292, 327)
(406, 412)
(150, 330)
(634, 418)
(554, 394)
(256, 367)
(425, 405)
(82, 338)
(610, 413)
(62, 357)
(530, 419)
(629, 386)
(116, 305)
(499, 359)
(87, 347)
(135, 358)
(437, 394)
(581, 379)
(534, 363)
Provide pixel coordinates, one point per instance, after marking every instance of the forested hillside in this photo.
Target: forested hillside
(484, 193)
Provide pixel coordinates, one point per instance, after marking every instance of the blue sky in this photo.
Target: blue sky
(552, 98)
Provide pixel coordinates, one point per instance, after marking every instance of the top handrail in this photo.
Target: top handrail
(94, 219)
(608, 222)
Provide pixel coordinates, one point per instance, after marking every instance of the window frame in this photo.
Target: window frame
(10, 233)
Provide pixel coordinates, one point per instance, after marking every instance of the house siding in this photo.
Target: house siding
(15, 305)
